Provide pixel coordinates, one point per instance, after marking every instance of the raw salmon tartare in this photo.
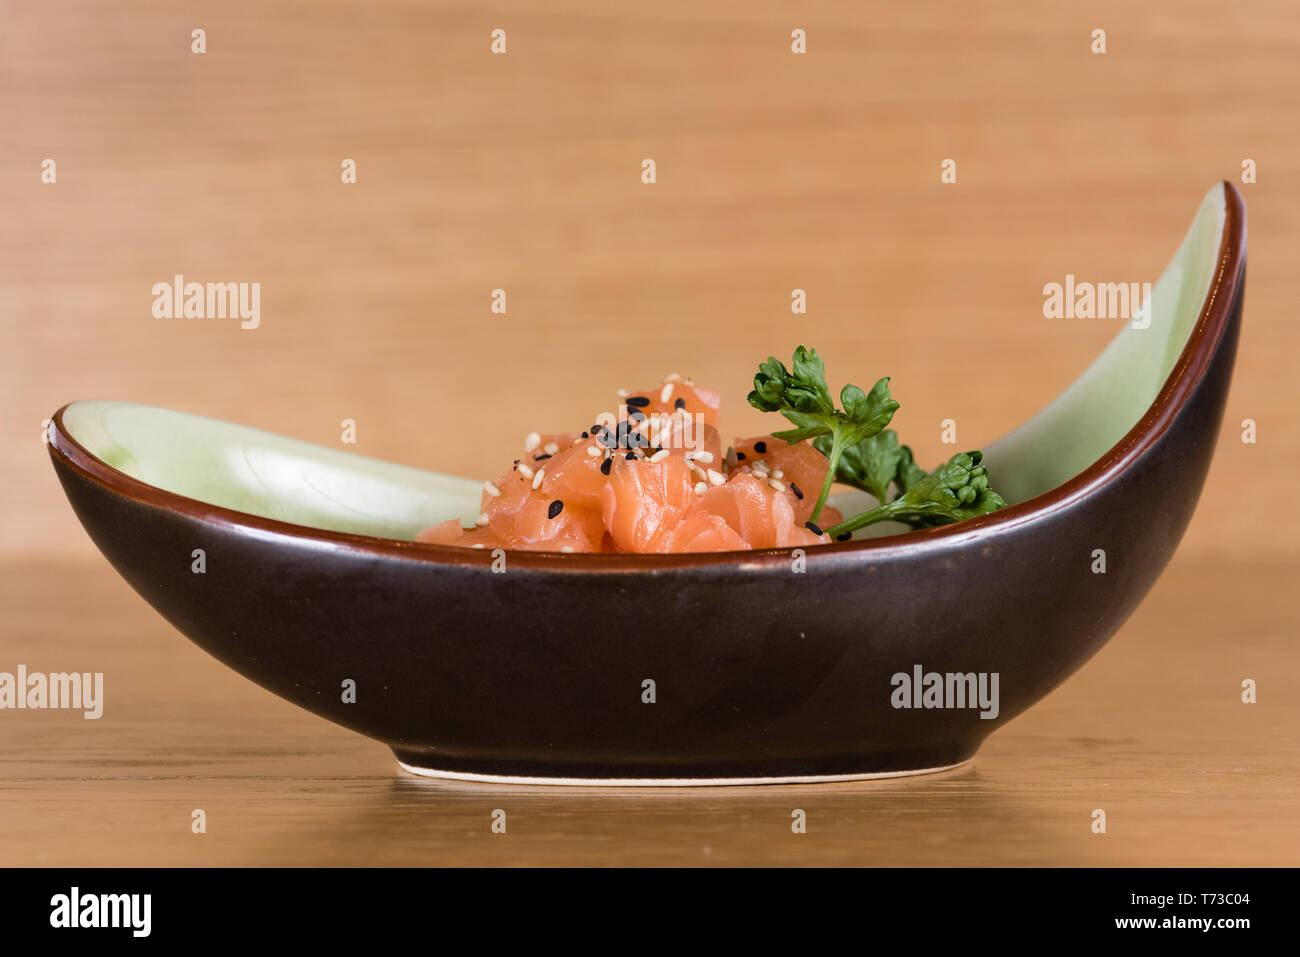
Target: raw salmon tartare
(652, 477)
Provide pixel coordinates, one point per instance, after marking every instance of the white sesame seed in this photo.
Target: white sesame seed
(551, 448)
(659, 456)
(491, 489)
(667, 392)
(623, 393)
(776, 485)
(701, 488)
(760, 464)
(532, 441)
(478, 545)
(672, 377)
(537, 479)
(717, 478)
(593, 451)
(525, 471)
(777, 473)
(705, 457)
(698, 472)
(567, 549)
(482, 519)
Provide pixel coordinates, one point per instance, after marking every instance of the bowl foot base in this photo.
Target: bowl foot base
(639, 782)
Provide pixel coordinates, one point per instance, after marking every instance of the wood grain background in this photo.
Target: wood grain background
(522, 172)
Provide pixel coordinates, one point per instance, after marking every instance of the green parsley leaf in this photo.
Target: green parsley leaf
(804, 398)
(864, 454)
(871, 465)
(955, 491)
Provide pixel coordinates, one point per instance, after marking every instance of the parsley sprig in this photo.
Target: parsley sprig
(864, 454)
(804, 398)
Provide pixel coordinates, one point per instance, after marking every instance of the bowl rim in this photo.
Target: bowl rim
(1192, 364)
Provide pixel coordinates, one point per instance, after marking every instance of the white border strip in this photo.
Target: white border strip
(669, 782)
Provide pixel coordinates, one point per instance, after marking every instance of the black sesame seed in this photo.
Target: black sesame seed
(679, 404)
(812, 528)
(540, 458)
(794, 488)
(584, 435)
(556, 508)
(843, 536)
(760, 447)
(740, 456)
(631, 456)
(605, 466)
(637, 401)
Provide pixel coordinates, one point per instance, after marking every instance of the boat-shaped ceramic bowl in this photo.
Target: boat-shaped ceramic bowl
(678, 669)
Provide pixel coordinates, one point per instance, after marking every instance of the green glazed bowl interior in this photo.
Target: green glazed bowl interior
(275, 477)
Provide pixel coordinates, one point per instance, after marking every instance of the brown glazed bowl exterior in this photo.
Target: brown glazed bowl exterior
(759, 673)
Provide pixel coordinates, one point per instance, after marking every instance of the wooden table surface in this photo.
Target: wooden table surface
(522, 171)
(1152, 731)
